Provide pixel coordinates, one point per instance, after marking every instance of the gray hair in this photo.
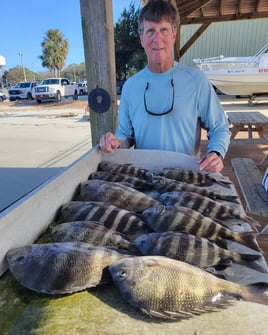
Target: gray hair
(158, 10)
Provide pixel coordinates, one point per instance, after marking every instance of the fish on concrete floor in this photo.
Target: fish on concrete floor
(183, 219)
(163, 184)
(136, 182)
(193, 249)
(61, 268)
(189, 176)
(170, 289)
(110, 216)
(116, 194)
(206, 206)
(91, 232)
(122, 168)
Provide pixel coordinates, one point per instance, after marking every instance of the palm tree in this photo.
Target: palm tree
(55, 50)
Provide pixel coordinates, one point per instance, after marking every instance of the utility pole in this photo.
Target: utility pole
(98, 37)
(22, 64)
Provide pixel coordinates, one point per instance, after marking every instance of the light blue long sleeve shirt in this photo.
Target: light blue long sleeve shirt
(194, 99)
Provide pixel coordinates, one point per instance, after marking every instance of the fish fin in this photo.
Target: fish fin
(248, 239)
(223, 303)
(249, 261)
(230, 198)
(255, 293)
(224, 183)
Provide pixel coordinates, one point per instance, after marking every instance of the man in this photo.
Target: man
(163, 106)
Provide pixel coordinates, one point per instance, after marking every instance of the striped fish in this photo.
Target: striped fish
(116, 194)
(163, 184)
(178, 218)
(192, 249)
(136, 182)
(110, 216)
(91, 232)
(122, 168)
(206, 206)
(189, 176)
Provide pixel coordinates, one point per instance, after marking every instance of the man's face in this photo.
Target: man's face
(158, 40)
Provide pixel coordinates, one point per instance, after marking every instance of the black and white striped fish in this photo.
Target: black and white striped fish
(110, 216)
(192, 249)
(179, 218)
(136, 182)
(189, 176)
(206, 206)
(122, 168)
(116, 194)
(91, 232)
(163, 184)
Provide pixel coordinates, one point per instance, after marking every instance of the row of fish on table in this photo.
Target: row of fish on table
(158, 235)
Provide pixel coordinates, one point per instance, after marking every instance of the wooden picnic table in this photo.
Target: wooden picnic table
(250, 122)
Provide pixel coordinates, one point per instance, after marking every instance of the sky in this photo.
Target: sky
(25, 22)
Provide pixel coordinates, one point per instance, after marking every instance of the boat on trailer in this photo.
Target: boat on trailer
(239, 76)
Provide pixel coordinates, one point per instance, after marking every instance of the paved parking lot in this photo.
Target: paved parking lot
(37, 141)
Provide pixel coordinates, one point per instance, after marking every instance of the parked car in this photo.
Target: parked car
(2, 95)
(55, 89)
(22, 90)
(83, 88)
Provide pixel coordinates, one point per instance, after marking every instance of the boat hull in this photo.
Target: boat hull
(240, 82)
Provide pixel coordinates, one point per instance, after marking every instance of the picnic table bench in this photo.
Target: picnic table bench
(249, 177)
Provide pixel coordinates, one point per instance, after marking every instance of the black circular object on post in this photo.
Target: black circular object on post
(99, 100)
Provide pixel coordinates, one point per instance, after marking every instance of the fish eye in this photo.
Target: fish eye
(20, 259)
(122, 274)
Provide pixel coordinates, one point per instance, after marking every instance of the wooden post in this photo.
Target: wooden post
(98, 38)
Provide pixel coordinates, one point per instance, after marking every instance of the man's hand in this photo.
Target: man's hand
(211, 163)
(108, 142)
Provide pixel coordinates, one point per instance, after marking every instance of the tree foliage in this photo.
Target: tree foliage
(54, 51)
(129, 54)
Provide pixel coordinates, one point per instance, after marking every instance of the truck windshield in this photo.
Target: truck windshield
(22, 85)
(50, 82)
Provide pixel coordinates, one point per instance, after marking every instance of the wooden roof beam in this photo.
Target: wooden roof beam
(224, 18)
(194, 37)
(188, 8)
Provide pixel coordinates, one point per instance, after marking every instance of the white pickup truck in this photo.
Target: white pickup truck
(55, 89)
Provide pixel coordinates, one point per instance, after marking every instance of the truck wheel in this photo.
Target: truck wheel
(29, 96)
(75, 96)
(39, 101)
(58, 97)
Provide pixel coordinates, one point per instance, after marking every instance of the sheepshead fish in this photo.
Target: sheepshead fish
(170, 289)
(189, 176)
(116, 194)
(122, 168)
(91, 232)
(163, 184)
(192, 249)
(182, 219)
(136, 182)
(206, 206)
(61, 268)
(110, 216)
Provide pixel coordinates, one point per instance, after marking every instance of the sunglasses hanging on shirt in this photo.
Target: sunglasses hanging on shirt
(159, 114)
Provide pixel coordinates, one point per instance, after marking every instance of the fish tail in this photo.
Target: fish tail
(248, 260)
(254, 293)
(248, 239)
(254, 223)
